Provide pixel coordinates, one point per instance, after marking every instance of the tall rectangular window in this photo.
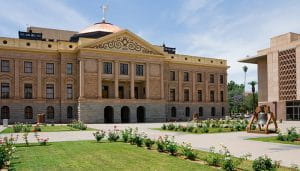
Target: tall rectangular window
(172, 75)
(50, 68)
(185, 76)
(69, 69)
(4, 90)
(136, 92)
(69, 91)
(27, 67)
(172, 94)
(123, 69)
(211, 78)
(28, 91)
(199, 95)
(50, 91)
(199, 77)
(139, 70)
(105, 92)
(107, 68)
(222, 96)
(212, 96)
(221, 79)
(4, 65)
(186, 95)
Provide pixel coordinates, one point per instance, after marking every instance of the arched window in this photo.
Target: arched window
(69, 112)
(213, 111)
(200, 111)
(173, 111)
(28, 112)
(5, 112)
(50, 112)
(187, 112)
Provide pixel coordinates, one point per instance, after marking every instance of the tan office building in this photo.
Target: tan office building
(279, 75)
(105, 74)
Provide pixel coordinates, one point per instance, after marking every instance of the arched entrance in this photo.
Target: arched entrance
(140, 112)
(125, 114)
(108, 114)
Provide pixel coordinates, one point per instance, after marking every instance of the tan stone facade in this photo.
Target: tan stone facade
(278, 75)
(118, 77)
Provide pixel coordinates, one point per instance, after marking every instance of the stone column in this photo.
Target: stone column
(162, 88)
(180, 86)
(132, 96)
(17, 81)
(194, 93)
(147, 80)
(116, 79)
(81, 78)
(99, 79)
(39, 79)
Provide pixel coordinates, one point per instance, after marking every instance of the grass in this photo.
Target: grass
(211, 130)
(56, 128)
(274, 140)
(89, 155)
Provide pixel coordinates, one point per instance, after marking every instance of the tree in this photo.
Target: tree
(245, 69)
(253, 84)
(235, 97)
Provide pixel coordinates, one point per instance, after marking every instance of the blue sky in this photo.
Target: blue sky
(228, 29)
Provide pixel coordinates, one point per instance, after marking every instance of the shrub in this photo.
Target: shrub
(25, 138)
(195, 130)
(290, 136)
(172, 147)
(27, 128)
(99, 135)
(126, 134)
(171, 126)
(138, 139)
(262, 163)
(164, 127)
(149, 143)
(204, 129)
(228, 164)
(188, 152)
(77, 125)
(183, 128)
(36, 128)
(113, 136)
(7, 148)
(213, 158)
(190, 128)
(162, 144)
(17, 127)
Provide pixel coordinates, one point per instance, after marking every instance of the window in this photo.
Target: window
(107, 68)
(28, 91)
(121, 92)
(186, 95)
(172, 75)
(200, 111)
(187, 112)
(69, 112)
(27, 67)
(50, 68)
(223, 111)
(69, 69)
(50, 91)
(213, 111)
(104, 91)
(136, 92)
(173, 112)
(221, 79)
(123, 69)
(4, 90)
(5, 112)
(50, 112)
(4, 65)
(222, 96)
(139, 70)
(199, 77)
(69, 91)
(172, 94)
(28, 112)
(211, 78)
(212, 96)
(199, 95)
(185, 76)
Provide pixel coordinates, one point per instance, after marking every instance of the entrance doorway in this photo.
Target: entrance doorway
(108, 114)
(125, 114)
(140, 112)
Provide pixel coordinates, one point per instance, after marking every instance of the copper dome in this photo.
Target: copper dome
(103, 26)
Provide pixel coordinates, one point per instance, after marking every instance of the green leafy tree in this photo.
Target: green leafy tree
(235, 97)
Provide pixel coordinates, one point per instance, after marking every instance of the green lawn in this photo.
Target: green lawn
(274, 140)
(211, 130)
(89, 155)
(56, 128)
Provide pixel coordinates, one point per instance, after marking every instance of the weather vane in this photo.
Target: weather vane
(104, 9)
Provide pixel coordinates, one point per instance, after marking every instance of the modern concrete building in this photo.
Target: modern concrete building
(279, 75)
(105, 74)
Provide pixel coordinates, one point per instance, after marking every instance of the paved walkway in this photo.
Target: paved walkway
(235, 141)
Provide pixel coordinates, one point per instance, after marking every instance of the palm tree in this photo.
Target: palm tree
(245, 69)
(253, 84)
